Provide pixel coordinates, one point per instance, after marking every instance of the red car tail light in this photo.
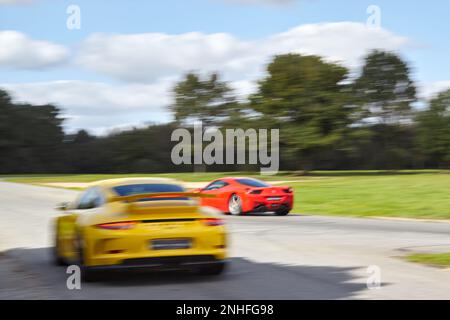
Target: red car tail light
(288, 190)
(213, 222)
(125, 225)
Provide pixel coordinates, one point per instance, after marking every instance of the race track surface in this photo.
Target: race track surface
(293, 257)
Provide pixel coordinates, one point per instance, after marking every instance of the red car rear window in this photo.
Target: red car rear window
(253, 183)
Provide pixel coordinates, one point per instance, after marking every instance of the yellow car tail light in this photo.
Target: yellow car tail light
(124, 225)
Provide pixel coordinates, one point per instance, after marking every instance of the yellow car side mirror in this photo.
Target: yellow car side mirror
(63, 206)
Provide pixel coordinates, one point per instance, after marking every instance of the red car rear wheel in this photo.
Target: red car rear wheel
(235, 205)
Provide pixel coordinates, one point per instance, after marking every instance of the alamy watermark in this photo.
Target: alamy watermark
(374, 19)
(374, 279)
(73, 21)
(73, 281)
(229, 148)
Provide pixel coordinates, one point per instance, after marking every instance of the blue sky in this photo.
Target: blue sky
(72, 60)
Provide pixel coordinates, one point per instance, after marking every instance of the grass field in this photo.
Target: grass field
(432, 259)
(409, 194)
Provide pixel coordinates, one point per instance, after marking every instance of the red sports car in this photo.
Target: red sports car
(243, 195)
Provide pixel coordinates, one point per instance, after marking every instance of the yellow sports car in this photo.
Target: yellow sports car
(139, 223)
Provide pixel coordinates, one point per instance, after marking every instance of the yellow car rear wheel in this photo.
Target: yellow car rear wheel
(57, 259)
(87, 274)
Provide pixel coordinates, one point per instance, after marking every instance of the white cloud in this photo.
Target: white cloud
(345, 42)
(16, 1)
(97, 106)
(432, 90)
(146, 57)
(21, 52)
(152, 62)
(149, 56)
(101, 107)
(244, 88)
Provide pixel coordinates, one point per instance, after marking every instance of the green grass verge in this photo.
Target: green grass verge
(191, 176)
(408, 194)
(431, 259)
(425, 196)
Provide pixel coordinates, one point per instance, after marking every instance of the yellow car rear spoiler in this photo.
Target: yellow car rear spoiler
(137, 197)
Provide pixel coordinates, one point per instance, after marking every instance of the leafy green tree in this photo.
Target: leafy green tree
(434, 130)
(82, 153)
(31, 137)
(82, 136)
(384, 89)
(305, 97)
(6, 141)
(208, 100)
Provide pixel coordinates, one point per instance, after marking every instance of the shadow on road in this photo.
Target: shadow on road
(267, 214)
(29, 274)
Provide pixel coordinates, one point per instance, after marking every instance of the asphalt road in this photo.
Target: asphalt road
(294, 257)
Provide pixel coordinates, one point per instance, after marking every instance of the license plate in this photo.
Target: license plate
(170, 244)
(274, 198)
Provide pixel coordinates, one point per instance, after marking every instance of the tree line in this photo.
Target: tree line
(329, 119)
